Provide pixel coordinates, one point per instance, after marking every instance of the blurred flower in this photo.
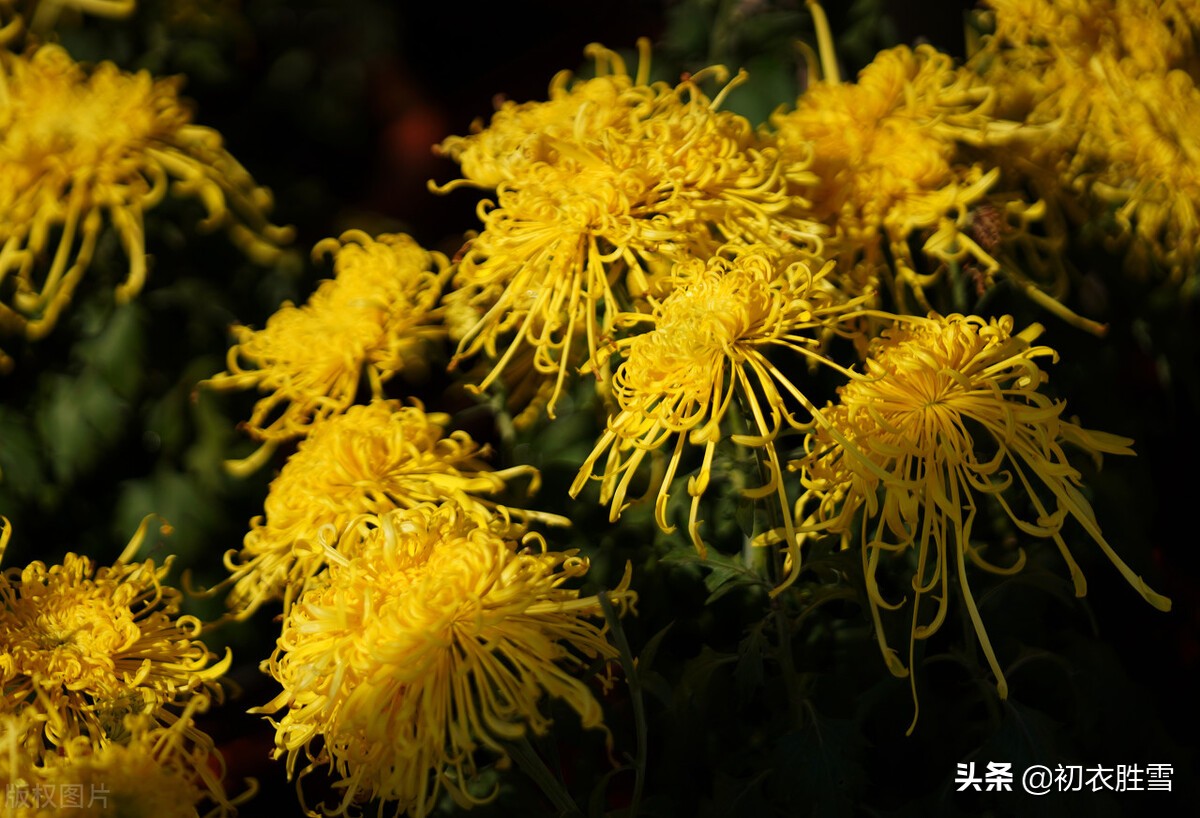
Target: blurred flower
(436, 640)
(152, 772)
(376, 315)
(947, 414)
(372, 459)
(1141, 157)
(77, 144)
(709, 346)
(1116, 81)
(83, 646)
(597, 191)
(888, 153)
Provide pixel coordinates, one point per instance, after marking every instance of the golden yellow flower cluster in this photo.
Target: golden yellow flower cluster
(1117, 80)
(374, 317)
(429, 639)
(83, 651)
(79, 148)
(383, 532)
(371, 459)
(596, 191)
(946, 420)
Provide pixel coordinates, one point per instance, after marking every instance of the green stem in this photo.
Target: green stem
(771, 569)
(635, 698)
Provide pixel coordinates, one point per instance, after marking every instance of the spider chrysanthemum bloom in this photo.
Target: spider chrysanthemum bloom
(437, 640)
(1117, 80)
(79, 148)
(888, 154)
(520, 135)
(372, 459)
(712, 353)
(374, 317)
(82, 646)
(607, 189)
(946, 420)
(152, 772)
(1140, 156)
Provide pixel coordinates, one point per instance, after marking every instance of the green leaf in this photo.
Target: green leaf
(22, 469)
(819, 766)
(748, 674)
(78, 419)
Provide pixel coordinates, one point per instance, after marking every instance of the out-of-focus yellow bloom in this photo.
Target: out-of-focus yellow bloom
(376, 315)
(1117, 80)
(710, 347)
(1143, 35)
(597, 190)
(151, 772)
(1141, 156)
(948, 417)
(77, 146)
(372, 459)
(82, 646)
(437, 640)
(888, 154)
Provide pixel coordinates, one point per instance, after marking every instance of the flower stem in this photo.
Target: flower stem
(635, 698)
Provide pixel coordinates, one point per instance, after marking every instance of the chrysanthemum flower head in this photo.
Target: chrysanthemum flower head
(374, 317)
(1143, 35)
(371, 459)
(520, 135)
(83, 647)
(1141, 157)
(1117, 79)
(948, 419)
(708, 355)
(154, 771)
(580, 226)
(887, 155)
(437, 639)
(80, 147)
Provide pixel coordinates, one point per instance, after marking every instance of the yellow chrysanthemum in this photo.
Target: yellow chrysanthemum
(78, 145)
(948, 416)
(82, 646)
(375, 315)
(1117, 80)
(153, 772)
(710, 344)
(889, 155)
(521, 135)
(437, 640)
(1141, 157)
(372, 459)
(1143, 35)
(610, 180)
